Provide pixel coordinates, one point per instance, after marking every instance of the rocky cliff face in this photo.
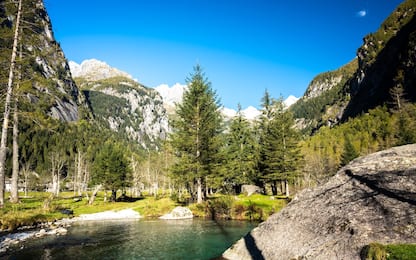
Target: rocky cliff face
(121, 104)
(46, 79)
(386, 59)
(372, 199)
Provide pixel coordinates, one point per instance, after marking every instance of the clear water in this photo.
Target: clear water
(158, 239)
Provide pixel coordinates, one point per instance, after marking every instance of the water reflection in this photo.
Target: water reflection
(158, 239)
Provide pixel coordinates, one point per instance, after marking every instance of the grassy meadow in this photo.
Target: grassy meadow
(40, 207)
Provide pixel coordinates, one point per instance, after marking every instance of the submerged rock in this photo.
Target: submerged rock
(179, 213)
(373, 199)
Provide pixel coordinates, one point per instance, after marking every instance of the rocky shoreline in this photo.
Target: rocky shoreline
(60, 227)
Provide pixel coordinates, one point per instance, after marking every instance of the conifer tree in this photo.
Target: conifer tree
(111, 168)
(349, 152)
(196, 132)
(240, 153)
(280, 156)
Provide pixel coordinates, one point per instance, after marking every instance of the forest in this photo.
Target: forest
(203, 155)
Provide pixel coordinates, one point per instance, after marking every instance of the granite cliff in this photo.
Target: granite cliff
(46, 84)
(372, 199)
(121, 104)
(385, 60)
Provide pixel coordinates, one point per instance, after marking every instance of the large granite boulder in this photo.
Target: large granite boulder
(250, 189)
(372, 199)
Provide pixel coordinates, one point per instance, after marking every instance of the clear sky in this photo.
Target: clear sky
(244, 46)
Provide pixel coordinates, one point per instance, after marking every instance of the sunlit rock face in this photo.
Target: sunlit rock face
(46, 82)
(119, 103)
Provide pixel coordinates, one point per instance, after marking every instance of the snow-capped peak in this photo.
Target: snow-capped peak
(171, 95)
(290, 100)
(93, 69)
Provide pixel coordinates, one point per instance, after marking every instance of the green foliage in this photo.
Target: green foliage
(376, 41)
(196, 133)
(256, 207)
(280, 157)
(349, 152)
(376, 251)
(110, 167)
(239, 154)
(376, 130)
(326, 106)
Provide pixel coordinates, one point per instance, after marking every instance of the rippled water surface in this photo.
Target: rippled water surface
(184, 239)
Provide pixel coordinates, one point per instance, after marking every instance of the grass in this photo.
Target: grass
(241, 207)
(376, 251)
(40, 207)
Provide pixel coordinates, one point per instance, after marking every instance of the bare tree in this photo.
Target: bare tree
(57, 164)
(3, 141)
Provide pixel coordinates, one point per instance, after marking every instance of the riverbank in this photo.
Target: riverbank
(60, 227)
(38, 215)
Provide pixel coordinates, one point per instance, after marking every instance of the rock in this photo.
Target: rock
(372, 199)
(250, 189)
(41, 233)
(179, 213)
(109, 215)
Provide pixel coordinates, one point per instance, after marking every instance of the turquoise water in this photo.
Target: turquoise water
(158, 239)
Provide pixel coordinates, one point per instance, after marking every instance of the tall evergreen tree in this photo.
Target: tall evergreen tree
(240, 153)
(111, 168)
(196, 133)
(280, 156)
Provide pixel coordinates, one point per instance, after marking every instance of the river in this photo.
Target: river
(140, 239)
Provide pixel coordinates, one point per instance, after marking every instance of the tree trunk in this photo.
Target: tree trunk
(199, 190)
(287, 188)
(14, 194)
(94, 194)
(274, 188)
(3, 141)
(113, 195)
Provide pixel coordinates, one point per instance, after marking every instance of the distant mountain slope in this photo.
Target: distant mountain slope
(46, 86)
(121, 104)
(386, 59)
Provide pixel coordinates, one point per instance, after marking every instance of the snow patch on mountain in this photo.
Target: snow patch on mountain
(290, 100)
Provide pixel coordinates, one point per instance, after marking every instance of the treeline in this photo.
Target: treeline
(383, 127)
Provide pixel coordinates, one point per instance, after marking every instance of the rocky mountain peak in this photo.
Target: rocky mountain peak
(93, 70)
(121, 104)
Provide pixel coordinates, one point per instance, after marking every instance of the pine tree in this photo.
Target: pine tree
(196, 133)
(111, 168)
(280, 156)
(349, 152)
(239, 153)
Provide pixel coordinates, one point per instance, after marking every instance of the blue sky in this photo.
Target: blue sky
(244, 46)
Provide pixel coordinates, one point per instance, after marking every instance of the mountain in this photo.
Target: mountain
(94, 70)
(385, 60)
(290, 100)
(47, 87)
(171, 95)
(119, 103)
